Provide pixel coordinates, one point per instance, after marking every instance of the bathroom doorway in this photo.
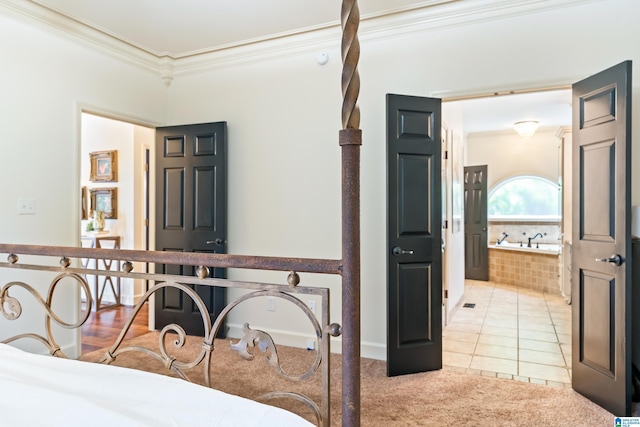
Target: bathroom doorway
(529, 320)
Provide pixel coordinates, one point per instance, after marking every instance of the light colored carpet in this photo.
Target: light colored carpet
(439, 398)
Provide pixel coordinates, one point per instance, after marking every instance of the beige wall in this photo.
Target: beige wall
(507, 155)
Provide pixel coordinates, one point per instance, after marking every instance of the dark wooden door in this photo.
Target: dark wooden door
(191, 203)
(476, 259)
(601, 342)
(414, 286)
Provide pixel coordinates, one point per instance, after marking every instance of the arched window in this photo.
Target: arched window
(524, 197)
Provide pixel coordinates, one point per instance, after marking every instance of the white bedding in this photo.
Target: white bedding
(47, 391)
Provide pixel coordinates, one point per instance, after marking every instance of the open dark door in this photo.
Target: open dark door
(414, 287)
(191, 208)
(601, 316)
(476, 259)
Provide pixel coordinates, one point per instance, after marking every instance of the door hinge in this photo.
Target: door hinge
(445, 224)
(146, 167)
(146, 222)
(446, 293)
(445, 155)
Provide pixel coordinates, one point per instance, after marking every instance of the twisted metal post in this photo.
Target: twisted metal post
(350, 57)
(350, 142)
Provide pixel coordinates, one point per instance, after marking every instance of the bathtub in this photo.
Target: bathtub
(523, 267)
(544, 248)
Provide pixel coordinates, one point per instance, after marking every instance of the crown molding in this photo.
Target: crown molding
(429, 16)
(48, 20)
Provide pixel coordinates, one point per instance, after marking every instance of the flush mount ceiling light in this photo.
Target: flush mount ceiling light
(526, 129)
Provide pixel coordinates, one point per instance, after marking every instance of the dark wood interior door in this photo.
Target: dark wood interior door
(601, 234)
(191, 204)
(414, 285)
(476, 259)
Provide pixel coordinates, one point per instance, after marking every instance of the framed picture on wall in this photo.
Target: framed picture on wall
(83, 200)
(106, 200)
(104, 166)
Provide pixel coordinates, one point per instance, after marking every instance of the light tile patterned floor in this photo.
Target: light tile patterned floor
(511, 333)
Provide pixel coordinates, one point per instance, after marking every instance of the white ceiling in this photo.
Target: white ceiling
(180, 28)
(551, 109)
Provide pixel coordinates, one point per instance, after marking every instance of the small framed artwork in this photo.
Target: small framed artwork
(106, 200)
(104, 166)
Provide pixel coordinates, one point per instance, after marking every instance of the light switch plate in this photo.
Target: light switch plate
(26, 206)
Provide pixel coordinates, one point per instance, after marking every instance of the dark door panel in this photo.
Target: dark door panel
(601, 335)
(191, 213)
(476, 260)
(414, 313)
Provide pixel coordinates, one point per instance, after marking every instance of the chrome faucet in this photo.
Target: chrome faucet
(531, 238)
(504, 236)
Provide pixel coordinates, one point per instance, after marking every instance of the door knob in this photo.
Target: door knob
(399, 251)
(614, 259)
(218, 242)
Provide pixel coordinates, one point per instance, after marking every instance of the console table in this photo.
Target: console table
(102, 283)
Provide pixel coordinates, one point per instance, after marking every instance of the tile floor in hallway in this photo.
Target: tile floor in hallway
(512, 333)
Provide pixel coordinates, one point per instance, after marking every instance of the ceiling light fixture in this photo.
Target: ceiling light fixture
(526, 129)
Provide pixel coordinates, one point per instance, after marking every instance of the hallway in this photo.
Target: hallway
(511, 333)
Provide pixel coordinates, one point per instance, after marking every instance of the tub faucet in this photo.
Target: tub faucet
(504, 236)
(531, 238)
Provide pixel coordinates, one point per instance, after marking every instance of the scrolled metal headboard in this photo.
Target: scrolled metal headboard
(12, 309)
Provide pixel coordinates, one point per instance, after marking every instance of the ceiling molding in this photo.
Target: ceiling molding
(431, 15)
(48, 20)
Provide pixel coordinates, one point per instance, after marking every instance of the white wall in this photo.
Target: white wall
(453, 268)
(284, 114)
(46, 81)
(283, 168)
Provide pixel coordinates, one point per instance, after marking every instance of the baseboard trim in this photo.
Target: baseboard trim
(368, 349)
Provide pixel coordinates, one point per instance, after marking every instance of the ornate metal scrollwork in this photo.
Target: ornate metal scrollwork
(164, 354)
(264, 341)
(12, 309)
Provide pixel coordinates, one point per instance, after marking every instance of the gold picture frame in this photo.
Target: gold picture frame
(106, 200)
(104, 166)
(83, 203)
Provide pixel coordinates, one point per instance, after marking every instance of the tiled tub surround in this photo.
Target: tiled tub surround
(536, 269)
(531, 270)
(520, 231)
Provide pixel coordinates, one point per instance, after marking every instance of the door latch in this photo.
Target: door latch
(397, 251)
(613, 259)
